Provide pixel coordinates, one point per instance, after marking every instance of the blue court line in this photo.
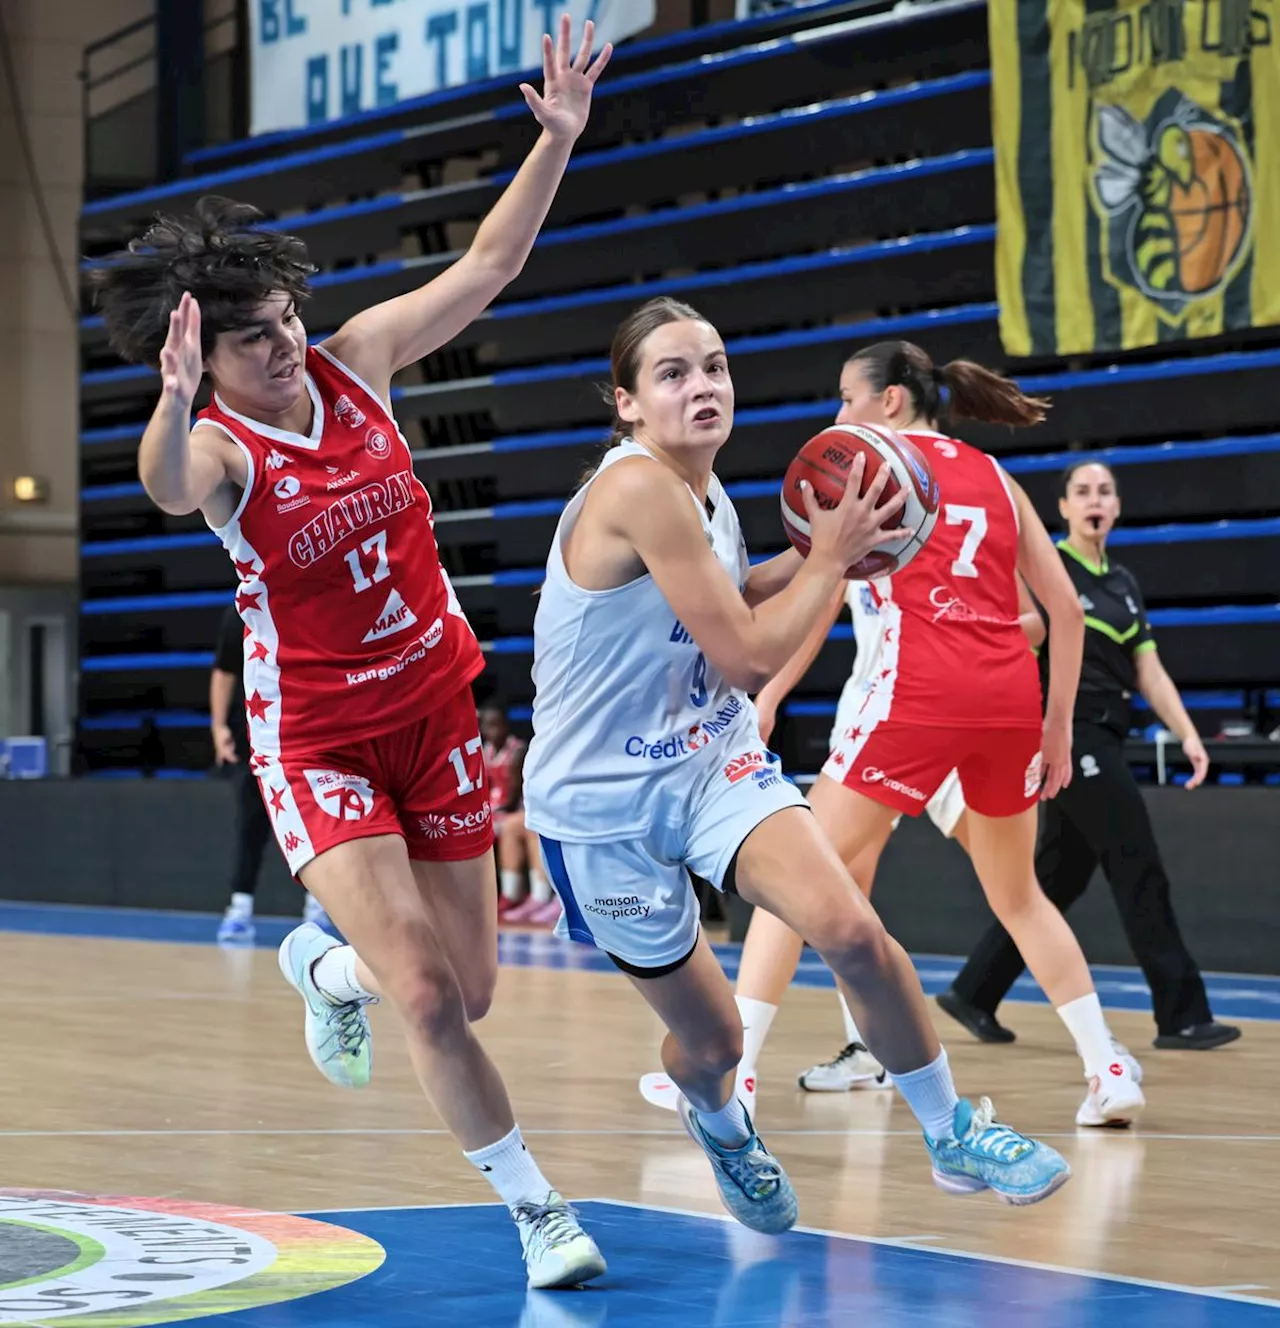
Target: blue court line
(1233, 995)
(672, 1268)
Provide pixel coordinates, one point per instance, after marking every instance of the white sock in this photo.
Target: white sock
(509, 1167)
(1087, 1024)
(241, 905)
(334, 973)
(728, 1126)
(931, 1095)
(851, 1033)
(511, 885)
(539, 887)
(757, 1017)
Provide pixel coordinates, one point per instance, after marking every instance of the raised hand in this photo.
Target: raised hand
(181, 359)
(565, 102)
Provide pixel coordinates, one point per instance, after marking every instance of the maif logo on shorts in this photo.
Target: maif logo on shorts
(344, 797)
(1034, 776)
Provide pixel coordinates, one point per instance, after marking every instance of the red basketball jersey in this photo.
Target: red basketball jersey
(953, 653)
(351, 626)
(497, 761)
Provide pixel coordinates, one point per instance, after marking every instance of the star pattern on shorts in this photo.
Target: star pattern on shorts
(257, 705)
(246, 569)
(259, 650)
(277, 799)
(245, 600)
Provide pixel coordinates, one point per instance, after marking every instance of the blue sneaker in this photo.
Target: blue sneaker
(338, 1035)
(752, 1183)
(986, 1155)
(236, 929)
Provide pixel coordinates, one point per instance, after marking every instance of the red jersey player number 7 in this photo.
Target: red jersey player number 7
(358, 658)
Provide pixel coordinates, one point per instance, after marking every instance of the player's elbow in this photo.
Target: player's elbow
(173, 501)
(748, 674)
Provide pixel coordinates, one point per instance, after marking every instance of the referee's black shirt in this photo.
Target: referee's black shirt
(1116, 631)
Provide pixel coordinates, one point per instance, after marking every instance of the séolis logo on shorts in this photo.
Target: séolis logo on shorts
(872, 775)
(616, 907)
(436, 826)
(676, 745)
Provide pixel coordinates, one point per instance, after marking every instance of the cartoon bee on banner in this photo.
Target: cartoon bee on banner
(1174, 197)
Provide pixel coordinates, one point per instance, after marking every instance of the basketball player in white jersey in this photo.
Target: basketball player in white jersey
(647, 763)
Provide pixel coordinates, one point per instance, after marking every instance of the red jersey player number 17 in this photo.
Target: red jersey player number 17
(352, 630)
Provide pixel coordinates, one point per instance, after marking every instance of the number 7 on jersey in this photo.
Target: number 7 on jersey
(975, 518)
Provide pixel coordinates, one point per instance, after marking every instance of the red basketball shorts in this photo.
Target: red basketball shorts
(425, 782)
(902, 765)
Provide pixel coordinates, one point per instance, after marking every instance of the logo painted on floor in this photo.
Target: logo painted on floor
(87, 1261)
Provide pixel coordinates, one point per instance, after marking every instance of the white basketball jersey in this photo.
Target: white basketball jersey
(868, 636)
(626, 706)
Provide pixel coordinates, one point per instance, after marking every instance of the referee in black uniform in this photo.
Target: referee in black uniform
(1100, 817)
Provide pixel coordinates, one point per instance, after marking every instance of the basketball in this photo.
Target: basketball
(825, 461)
(1211, 214)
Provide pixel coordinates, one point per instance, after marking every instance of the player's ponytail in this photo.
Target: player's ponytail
(958, 390)
(970, 392)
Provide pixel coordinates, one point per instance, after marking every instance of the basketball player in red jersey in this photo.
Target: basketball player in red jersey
(358, 660)
(957, 689)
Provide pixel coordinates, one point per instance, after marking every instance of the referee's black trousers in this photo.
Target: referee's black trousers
(253, 829)
(1101, 819)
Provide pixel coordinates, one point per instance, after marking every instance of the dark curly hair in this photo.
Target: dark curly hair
(227, 263)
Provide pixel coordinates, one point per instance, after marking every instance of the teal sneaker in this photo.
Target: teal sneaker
(986, 1155)
(338, 1035)
(752, 1183)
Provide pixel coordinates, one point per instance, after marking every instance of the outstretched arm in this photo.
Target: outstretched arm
(386, 338)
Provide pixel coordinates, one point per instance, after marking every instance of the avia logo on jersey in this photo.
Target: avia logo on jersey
(347, 412)
(872, 775)
(1034, 775)
(350, 514)
(413, 653)
(698, 735)
(615, 907)
(277, 460)
(344, 797)
(377, 444)
(341, 481)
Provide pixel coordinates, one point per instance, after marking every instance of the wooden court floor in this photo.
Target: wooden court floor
(147, 1068)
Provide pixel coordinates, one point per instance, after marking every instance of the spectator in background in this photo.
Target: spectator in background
(517, 847)
(231, 749)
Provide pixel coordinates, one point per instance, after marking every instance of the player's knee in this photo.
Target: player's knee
(430, 1000)
(477, 992)
(720, 1052)
(852, 939)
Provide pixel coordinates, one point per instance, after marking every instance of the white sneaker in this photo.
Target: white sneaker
(659, 1091)
(854, 1067)
(1114, 1099)
(557, 1252)
(1127, 1059)
(338, 1036)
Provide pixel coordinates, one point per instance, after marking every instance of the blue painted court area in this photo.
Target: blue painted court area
(455, 1266)
(1232, 995)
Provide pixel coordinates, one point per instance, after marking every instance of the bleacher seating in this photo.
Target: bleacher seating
(811, 181)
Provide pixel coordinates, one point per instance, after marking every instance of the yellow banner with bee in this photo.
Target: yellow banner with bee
(1137, 152)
